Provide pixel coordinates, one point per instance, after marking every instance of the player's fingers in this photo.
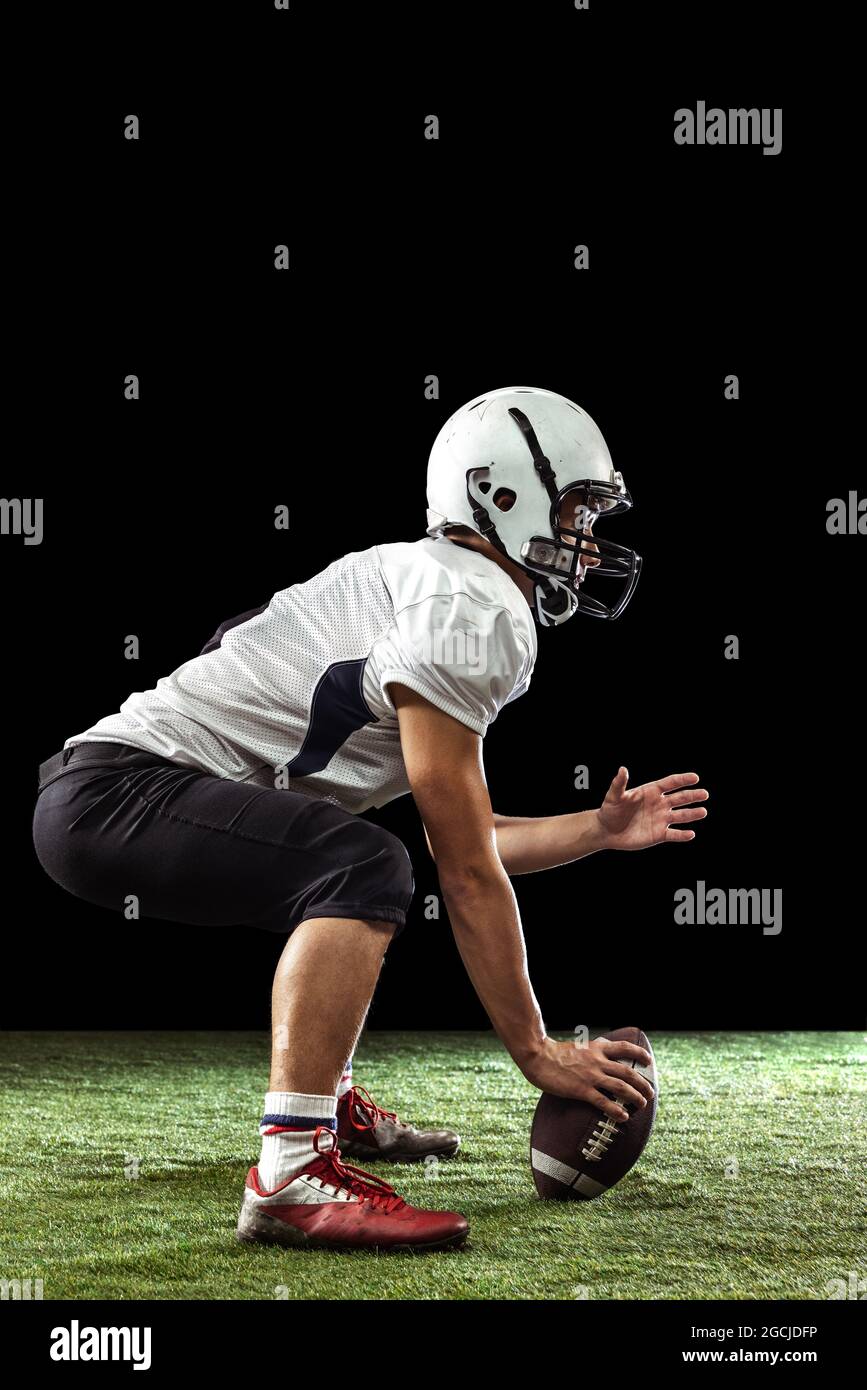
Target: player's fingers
(625, 1092)
(630, 1077)
(672, 835)
(677, 780)
(618, 1047)
(607, 1105)
(618, 785)
(688, 796)
(691, 813)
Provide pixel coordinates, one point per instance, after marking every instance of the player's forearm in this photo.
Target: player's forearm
(487, 931)
(526, 845)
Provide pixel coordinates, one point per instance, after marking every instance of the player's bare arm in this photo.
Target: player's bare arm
(445, 771)
(632, 819)
(628, 819)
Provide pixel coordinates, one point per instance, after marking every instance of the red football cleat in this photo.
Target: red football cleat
(333, 1204)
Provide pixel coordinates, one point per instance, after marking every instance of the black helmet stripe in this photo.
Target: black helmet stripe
(540, 462)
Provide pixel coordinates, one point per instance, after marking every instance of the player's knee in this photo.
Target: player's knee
(390, 869)
(376, 877)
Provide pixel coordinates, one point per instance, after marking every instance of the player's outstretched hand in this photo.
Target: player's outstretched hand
(588, 1070)
(644, 816)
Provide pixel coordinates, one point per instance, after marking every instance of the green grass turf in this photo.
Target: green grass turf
(788, 1109)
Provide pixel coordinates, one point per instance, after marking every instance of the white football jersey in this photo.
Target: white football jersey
(296, 693)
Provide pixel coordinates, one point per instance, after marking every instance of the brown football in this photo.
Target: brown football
(578, 1152)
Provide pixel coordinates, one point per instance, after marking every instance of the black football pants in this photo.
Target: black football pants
(113, 821)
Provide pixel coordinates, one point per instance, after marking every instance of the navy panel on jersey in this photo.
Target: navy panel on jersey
(337, 710)
(230, 623)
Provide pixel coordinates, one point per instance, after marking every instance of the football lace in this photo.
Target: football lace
(603, 1137)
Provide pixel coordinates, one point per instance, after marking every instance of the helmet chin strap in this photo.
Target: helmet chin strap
(554, 602)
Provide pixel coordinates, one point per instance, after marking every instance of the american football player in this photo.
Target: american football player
(233, 793)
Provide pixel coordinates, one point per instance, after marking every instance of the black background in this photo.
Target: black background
(411, 257)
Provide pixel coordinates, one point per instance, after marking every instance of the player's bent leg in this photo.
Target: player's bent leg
(208, 851)
(367, 873)
(376, 878)
(322, 989)
(302, 1192)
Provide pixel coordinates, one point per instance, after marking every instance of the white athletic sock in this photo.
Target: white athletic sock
(287, 1154)
(345, 1083)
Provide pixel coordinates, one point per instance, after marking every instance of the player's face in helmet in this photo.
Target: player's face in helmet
(576, 519)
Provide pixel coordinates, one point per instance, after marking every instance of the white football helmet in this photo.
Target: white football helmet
(521, 450)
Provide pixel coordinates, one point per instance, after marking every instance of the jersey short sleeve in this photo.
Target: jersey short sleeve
(466, 657)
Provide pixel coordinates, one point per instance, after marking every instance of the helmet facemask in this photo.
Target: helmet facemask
(569, 553)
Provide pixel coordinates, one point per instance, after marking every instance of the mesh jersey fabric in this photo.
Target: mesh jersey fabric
(296, 694)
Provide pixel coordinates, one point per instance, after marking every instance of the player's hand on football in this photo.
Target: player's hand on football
(644, 816)
(585, 1071)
